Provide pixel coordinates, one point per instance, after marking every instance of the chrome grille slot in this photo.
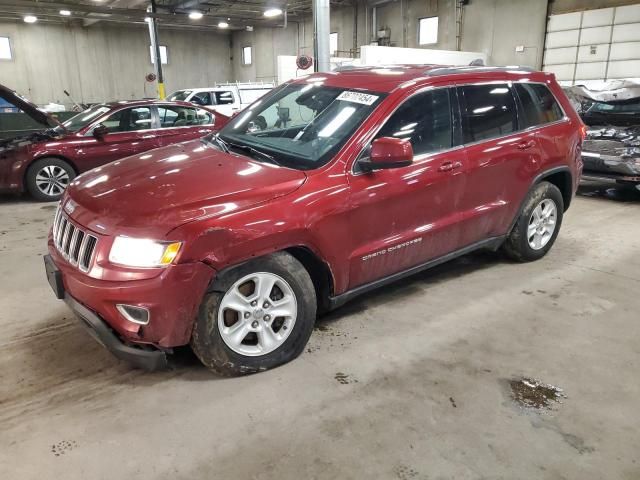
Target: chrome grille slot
(75, 244)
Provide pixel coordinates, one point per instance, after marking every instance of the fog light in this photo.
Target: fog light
(139, 315)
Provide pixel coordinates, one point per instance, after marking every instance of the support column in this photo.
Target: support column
(155, 48)
(321, 19)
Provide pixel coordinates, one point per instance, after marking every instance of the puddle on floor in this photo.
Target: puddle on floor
(532, 394)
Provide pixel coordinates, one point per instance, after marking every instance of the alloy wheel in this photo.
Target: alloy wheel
(542, 224)
(257, 314)
(52, 180)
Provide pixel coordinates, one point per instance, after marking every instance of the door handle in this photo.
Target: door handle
(448, 166)
(526, 145)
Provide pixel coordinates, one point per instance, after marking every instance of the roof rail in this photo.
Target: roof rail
(473, 69)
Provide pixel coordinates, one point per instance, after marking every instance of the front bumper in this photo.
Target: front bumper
(139, 356)
(172, 298)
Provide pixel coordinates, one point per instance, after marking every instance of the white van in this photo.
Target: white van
(227, 98)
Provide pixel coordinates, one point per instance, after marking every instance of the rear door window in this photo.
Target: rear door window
(177, 116)
(539, 106)
(424, 120)
(488, 111)
(224, 98)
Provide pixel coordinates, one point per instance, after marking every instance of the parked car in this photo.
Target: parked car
(44, 163)
(227, 98)
(233, 243)
(611, 150)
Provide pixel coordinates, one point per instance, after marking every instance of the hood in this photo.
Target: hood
(155, 192)
(29, 108)
(608, 91)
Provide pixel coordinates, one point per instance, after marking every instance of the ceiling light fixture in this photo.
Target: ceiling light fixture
(65, 13)
(223, 25)
(272, 12)
(30, 19)
(195, 15)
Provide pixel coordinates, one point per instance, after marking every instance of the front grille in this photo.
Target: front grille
(74, 244)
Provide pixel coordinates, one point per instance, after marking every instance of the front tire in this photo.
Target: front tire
(538, 224)
(259, 315)
(48, 178)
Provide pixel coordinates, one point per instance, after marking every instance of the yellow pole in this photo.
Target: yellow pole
(161, 92)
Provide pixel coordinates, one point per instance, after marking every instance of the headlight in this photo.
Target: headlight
(142, 252)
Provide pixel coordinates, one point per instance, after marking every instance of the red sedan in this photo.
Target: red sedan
(44, 163)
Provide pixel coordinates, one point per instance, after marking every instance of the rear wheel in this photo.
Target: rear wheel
(48, 178)
(260, 315)
(537, 227)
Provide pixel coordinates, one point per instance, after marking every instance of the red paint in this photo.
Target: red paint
(84, 151)
(227, 208)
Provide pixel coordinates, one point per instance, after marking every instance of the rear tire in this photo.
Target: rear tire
(259, 315)
(538, 224)
(48, 178)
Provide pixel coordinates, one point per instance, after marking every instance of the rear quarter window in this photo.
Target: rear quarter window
(539, 106)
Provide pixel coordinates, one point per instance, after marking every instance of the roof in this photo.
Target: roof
(141, 103)
(388, 78)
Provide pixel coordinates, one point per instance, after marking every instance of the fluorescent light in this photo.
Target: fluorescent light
(65, 13)
(223, 25)
(30, 19)
(195, 15)
(272, 12)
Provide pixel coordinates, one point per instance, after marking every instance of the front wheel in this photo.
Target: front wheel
(259, 316)
(538, 224)
(48, 178)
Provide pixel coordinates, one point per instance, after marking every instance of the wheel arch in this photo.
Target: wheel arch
(560, 177)
(318, 269)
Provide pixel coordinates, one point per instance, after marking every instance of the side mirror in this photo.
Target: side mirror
(100, 131)
(388, 152)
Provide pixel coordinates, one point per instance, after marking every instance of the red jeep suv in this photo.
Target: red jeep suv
(327, 187)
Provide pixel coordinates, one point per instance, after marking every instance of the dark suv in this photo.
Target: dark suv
(327, 187)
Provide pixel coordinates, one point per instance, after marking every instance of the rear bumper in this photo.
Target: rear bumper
(144, 357)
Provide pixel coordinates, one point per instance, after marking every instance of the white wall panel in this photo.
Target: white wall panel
(562, 72)
(607, 39)
(593, 53)
(568, 38)
(626, 33)
(595, 70)
(624, 69)
(625, 50)
(555, 56)
(597, 18)
(590, 36)
(628, 14)
(566, 21)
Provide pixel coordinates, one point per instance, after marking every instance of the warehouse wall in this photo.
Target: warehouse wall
(296, 39)
(90, 64)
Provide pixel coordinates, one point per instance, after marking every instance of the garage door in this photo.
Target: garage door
(584, 47)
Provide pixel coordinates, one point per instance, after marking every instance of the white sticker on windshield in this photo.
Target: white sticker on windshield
(358, 97)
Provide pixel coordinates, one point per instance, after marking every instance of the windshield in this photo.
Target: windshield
(180, 95)
(301, 126)
(632, 107)
(83, 119)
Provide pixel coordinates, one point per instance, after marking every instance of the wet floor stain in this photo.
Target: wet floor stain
(344, 378)
(534, 395)
(453, 402)
(63, 447)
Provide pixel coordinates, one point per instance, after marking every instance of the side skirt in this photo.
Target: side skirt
(492, 243)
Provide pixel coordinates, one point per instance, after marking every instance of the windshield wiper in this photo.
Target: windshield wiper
(218, 141)
(255, 152)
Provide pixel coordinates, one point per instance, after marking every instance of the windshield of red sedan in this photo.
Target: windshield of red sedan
(303, 125)
(83, 119)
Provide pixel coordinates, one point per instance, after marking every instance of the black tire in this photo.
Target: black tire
(56, 165)
(207, 342)
(517, 245)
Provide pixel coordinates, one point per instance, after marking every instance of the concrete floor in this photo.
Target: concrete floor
(408, 383)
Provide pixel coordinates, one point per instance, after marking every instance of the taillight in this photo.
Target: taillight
(583, 131)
